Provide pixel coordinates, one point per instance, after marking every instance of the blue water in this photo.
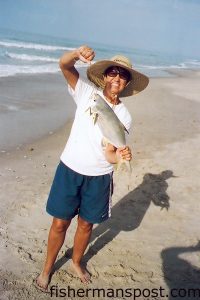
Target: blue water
(22, 53)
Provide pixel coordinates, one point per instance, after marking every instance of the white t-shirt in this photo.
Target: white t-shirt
(84, 151)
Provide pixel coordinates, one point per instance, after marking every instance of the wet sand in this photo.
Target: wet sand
(151, 241)
(32, 106)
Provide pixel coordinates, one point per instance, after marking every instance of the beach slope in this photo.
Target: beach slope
(151, 241)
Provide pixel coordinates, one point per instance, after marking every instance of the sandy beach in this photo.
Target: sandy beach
(152, 239)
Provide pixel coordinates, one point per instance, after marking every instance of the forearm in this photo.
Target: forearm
(112, 157)
(68, 59)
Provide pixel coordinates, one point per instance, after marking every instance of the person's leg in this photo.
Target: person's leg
(55, 241)
(81, 240)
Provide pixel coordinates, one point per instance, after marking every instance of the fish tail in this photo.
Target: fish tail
(126, 163)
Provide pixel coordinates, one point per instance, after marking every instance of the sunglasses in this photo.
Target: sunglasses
(114, 71)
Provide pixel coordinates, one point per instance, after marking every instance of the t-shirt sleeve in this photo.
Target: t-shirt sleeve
(128, 123)
(83, 91)
(128, 126)
(126, 120)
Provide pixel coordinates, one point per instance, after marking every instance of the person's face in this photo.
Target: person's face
(116, 79)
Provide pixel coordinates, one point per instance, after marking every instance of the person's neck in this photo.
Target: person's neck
(112, 98)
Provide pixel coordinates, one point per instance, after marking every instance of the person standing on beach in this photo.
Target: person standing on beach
(83, 181)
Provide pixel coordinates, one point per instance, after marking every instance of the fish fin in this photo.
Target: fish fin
(126, 130)
(122, 125)
(90, 110)
(94, 116)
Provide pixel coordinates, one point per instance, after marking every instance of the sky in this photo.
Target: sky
(170, 26)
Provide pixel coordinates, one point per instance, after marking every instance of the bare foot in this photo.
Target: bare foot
(42, 282)
(81, 272)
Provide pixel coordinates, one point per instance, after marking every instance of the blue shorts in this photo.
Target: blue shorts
(72, 193)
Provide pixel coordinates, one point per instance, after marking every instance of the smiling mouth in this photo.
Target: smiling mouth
(115, 84)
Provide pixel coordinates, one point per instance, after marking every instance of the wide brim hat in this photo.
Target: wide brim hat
(137, 83)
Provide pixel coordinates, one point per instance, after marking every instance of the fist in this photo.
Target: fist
(124, 153)
(85, 53)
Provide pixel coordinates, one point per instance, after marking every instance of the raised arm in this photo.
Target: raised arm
(68, 60)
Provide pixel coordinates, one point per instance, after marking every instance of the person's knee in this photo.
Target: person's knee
(60, 226)
(84, 225)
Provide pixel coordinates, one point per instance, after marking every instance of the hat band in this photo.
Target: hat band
(122, 62)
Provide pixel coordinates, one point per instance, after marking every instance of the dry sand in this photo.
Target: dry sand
(144, 244)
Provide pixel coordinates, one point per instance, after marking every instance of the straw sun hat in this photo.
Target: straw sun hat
(138, 80)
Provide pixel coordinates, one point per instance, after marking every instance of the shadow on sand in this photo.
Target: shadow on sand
(179, 274)
(128, 213)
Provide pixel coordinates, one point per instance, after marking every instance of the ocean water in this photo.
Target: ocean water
(22, 53)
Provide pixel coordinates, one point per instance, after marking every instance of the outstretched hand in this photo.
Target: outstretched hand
(85, 54)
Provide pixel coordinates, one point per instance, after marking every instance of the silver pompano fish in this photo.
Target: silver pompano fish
(110, 125)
